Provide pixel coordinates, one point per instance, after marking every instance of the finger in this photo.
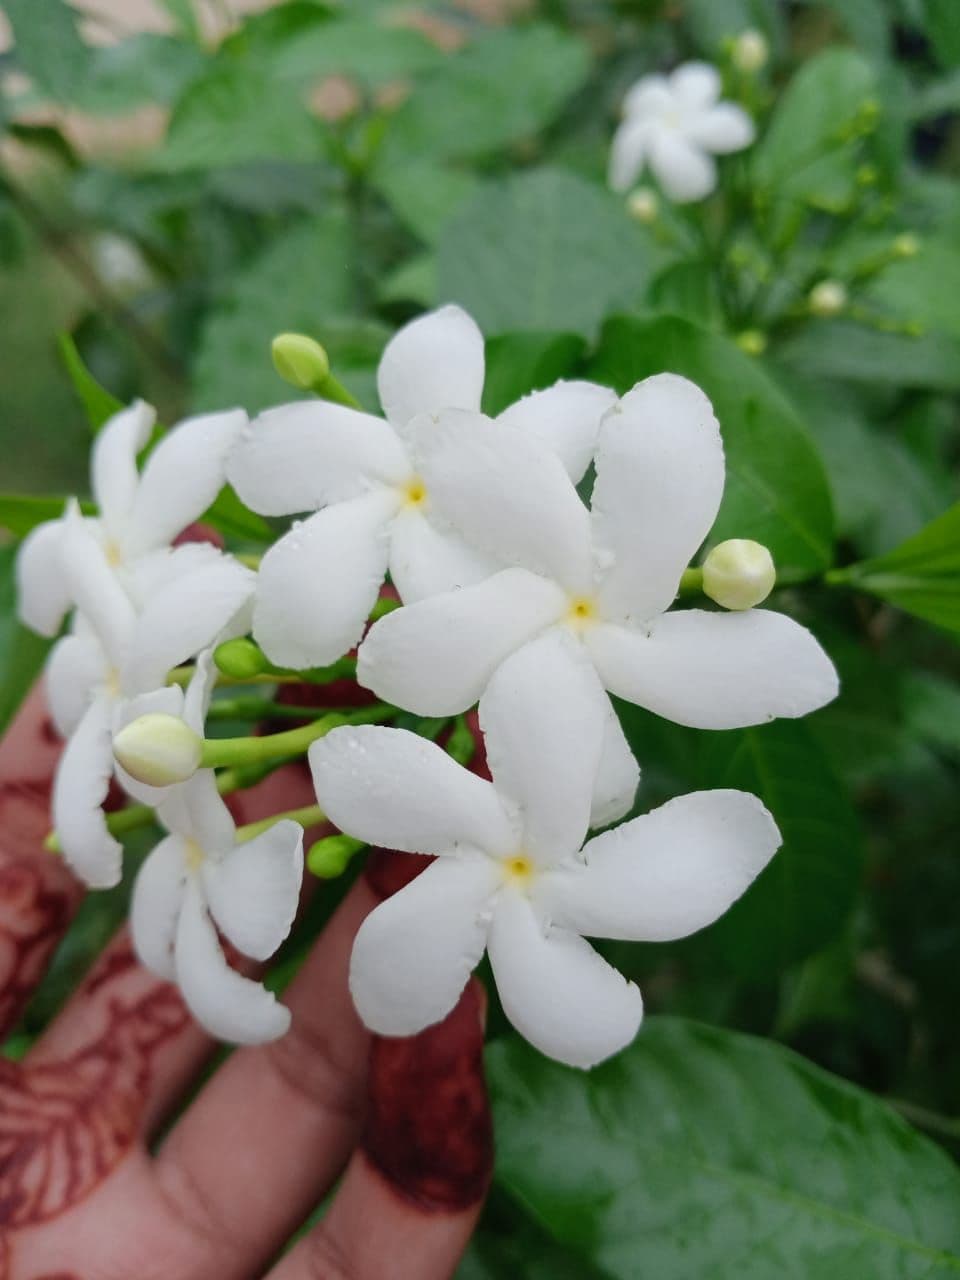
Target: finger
(38, 894)
(414, 1190)
(286, 1114)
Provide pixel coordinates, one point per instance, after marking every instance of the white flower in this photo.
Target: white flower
(673, 124)
(139, 514)
(510, 874)
(362, 477)
(113, 667)
(607, 576)
(199, 880)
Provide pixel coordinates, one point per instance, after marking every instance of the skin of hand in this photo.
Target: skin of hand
(103, 1176)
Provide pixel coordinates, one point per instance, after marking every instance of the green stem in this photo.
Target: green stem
(331, 388)
(311, 815)
(691, 580)
(218, 752)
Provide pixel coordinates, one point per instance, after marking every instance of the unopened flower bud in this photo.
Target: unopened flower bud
(241, 658)
(752, 341)
(739, 573)
(828, 298)
(643, 205)
(750, 51)
(158, 750)
(329, 858)
(906, 245)
(300, 360)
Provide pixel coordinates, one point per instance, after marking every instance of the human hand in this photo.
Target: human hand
(93, 1183)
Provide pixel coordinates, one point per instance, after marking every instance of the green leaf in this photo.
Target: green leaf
(866, 22)
(22, 653)
(712, 23)
(234, 520)
(19, 513)
(699, 1153)
(519, 363)
(543, 250)
(944, 30)
(98, 404)
(802, 898)
(809, 151)
(921, 576)
(48, 46)
(776, 490)
(424, 196)
(370, 51)
(924, 289)
(143, 69)
(845, 350)
(505, 86)
(932, 706)
(185, 16)
(301, 283)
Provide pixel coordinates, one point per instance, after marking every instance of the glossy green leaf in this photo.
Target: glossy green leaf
(702, 1153)
(21, 652)
(800, 901)
(424, 196)
(98, 403)
(921, 576)
(932, 706)
(846, 350)
(48, 45)
(923, 290)
(519, 363)
(776, 490)
(544, 250)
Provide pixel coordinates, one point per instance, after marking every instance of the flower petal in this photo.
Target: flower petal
(629, 152)
(317, 585)
(414, 953)
(184, 618)
(79, 790)
(556, 990)
(566, 417)
(684, 171)
(43, 596)
(543, 717)
(155, 906)
(254, 890)
(658, 488)
(76, 667)
(724, 128)
(427, 558)
(651, 95)
(668, 873)
(696, 84)
(393, 788)
(508, 494)
(229, 1006)
(435, 657)
(113, 463)
(155, 570)
(617, 777)
(181, 478)
(195, 810)
(716, 670)
(95, 588)
(433, 363)
(302, 456)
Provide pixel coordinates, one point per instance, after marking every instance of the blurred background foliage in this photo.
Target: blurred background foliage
(182, 179)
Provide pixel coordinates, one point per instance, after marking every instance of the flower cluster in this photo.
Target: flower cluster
(514, 594)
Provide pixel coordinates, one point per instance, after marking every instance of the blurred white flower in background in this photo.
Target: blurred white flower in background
(675, 125)
(511, 877)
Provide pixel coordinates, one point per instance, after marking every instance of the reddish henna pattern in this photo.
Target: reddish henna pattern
(65, 1125)
(38, 895)
(429, 1130)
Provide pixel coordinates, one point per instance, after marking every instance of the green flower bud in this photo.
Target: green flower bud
(906, 245)
(752, 341)
(158, 750)
(241, 658)
(300, 360)
(329, 858)
(828, 298)
(738, 574)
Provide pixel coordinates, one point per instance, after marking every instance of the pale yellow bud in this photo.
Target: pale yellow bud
(300, 360)
(739, 573)
(750, 51)
(906, 245)
(643, 205)
(158, 750)
(828, 298)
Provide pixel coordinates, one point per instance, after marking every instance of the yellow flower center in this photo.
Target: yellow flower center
(581, 611)
(415, 492)
(112, 553)
(194, 855)
(519, 869)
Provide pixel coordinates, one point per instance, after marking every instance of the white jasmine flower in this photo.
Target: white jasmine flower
(139, 514)
(113, 667)
(607, 576)
(200, 880)
(511, 876)
(362, 477)
(675, 124)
